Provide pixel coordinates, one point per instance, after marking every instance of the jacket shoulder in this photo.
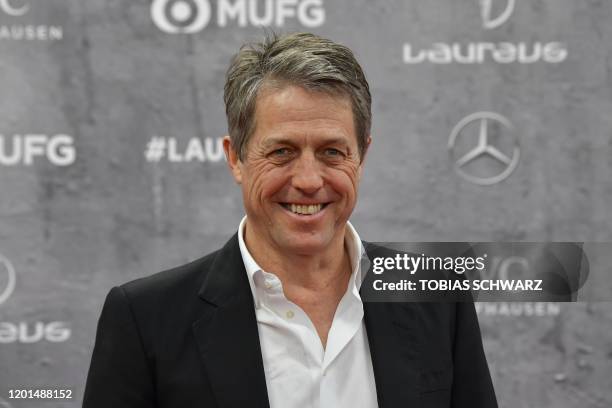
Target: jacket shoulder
(174, 283)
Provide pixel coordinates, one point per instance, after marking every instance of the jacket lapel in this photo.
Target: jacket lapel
(391, 330)
(227, 334)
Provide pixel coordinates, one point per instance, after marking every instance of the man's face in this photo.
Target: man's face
(301, 169)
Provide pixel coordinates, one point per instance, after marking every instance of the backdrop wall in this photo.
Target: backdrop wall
(492, 121)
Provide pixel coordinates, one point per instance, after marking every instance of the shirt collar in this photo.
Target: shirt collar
(352, 242)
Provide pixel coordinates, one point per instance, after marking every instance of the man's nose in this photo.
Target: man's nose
(307, 174)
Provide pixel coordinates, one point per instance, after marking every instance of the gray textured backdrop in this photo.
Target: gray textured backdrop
(102, 79)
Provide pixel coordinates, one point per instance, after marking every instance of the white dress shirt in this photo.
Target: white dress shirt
(300, 373)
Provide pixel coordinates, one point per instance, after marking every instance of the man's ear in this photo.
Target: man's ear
(233, 161)
(365, 151)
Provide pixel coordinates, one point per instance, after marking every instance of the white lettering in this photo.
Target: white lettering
(284, 9)
(311, 13)
(33, 146)
(173, 154)
(57, 332)
(256, 19)
(28, 333)
(194, 151)
(481, 52)
(228, 11)
(58, 149)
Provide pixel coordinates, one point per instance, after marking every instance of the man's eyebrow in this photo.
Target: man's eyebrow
(336, 140)
(273, 141)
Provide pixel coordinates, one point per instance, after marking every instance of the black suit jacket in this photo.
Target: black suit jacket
(188, 338)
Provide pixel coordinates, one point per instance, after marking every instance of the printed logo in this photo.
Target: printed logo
(180, 16)
(518, 309)
(161, 148)
(12, 10)
(479, 52)
(29, 31)
(486, 10)
(59, 149)
(7, 279)
(25, 332)
(192, 16)
(484, 147)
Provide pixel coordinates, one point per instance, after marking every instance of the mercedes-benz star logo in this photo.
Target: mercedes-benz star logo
(486, 9)
(484, 148)
(11, 10)
(6, 268)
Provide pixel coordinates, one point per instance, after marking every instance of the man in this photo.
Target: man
(275, 318)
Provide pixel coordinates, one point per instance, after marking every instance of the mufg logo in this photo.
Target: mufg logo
(494, 14)
(25, 332)
(25, 149)
(192, 16)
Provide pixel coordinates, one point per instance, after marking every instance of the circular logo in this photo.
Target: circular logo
(8, 8)
(180, 16)
(7, 279)
(486, 9)
(484, 148)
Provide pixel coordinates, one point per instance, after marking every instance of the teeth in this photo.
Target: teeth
(305, 209)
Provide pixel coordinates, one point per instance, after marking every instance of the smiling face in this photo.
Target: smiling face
(301, 170)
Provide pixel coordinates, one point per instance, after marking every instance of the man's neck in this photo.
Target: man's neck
(314, 282)
(310, 271)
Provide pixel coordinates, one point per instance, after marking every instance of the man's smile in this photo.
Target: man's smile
(304, 209)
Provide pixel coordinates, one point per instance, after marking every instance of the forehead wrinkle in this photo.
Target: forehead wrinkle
(285, 120)
(324, 126)
(279, 120)
(296, 139)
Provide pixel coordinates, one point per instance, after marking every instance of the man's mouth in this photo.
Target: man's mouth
(304, 209)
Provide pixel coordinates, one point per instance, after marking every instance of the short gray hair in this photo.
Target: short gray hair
(302, 59)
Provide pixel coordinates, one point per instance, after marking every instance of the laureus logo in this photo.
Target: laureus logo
(486, 12)
(23, 331)
(494, 13)
(7, 279)
(13, 9)
(180, 16)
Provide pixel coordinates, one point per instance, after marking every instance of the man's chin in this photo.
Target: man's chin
(304, 244)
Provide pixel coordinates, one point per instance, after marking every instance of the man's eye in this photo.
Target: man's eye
(283, 151)
(331, 152)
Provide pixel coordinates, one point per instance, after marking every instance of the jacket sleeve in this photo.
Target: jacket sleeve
(119, 374)
(472, 385)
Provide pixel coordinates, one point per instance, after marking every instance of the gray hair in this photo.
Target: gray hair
(302, 59)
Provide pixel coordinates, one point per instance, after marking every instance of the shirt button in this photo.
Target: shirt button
(290, 314)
